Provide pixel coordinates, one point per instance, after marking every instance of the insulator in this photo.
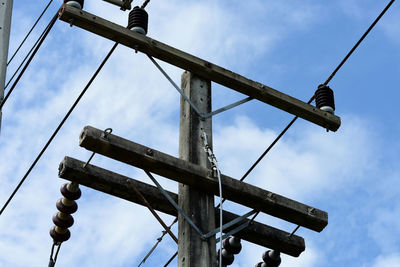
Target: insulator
(60, 234)
(272, 258)
(138, 20)
(232, 245)
(75, 3)
(66, 206)
(227, 258)
(324, 99)
(63, 220)
(70, 192)
(261, 264)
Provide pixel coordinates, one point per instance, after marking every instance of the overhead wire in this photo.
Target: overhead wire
(157, 243)
(313, 97)
(35, 48)
(58, 127)
(145, 3)
(29, 32)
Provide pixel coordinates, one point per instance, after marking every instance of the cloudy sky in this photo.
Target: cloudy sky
(292, 46)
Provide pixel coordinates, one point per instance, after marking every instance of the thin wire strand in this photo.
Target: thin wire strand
(30, 31)
(359, 42)
(48, 29)
(313, 97)
(171, 259)
(27, 55)
(158, 242)
(145, 4)
(59, 127)
(147, 204)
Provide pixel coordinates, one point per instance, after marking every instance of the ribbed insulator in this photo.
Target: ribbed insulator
(60, 234)
(138, 20)
(227, 258)
(66, 206)
(63, 220)
(324, 98)
(75, 3)
(272, 258)
(70, 193)
(261, 264)
(232, 245)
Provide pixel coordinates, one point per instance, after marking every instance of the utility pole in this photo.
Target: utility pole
(197, 215)
(5, 26)
(193, 250)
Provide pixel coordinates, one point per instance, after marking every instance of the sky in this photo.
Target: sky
(292, 46)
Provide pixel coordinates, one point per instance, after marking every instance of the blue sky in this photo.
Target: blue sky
(292, 46)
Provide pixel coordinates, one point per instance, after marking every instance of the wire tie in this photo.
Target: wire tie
(106, 133)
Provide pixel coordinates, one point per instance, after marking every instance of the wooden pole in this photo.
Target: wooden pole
(5, 25)
(199, 205)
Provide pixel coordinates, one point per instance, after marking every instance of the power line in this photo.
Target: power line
(145, 4)
(27, 55)
(36, 48)
(27, 35)
(59, 127)
(157, 243)
(312, 98)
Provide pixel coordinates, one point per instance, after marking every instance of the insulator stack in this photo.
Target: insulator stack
(271, 258)
(138, 20)
(66, 206)
(75, 3)
(324, 98)
(230, 247)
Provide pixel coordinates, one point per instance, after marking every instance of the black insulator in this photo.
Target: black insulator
(70, 194)
(75, 3)
(66, 206)
(324, 98)
(261, 264)
(227, 258)
(63, 220)
(59, 234)
(272, 258)
(232, 245)
(138, 20)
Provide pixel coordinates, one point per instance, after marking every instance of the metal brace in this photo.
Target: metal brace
(198, 112)
(192, 224)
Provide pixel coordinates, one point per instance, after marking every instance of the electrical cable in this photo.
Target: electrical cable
(312, 98)
(43, 37)
(216, 172)
(59, 126)
(27, 55)
(171, 259)
(144, 4)
(30, 31)
(157, 243)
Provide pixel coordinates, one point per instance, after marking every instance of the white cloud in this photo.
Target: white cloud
(387, 260)
(133, 98)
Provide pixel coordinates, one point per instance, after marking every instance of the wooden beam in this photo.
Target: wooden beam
(194, 175)
(196, 65)
(118, 186)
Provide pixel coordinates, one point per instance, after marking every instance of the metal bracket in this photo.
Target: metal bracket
(201, 115)
(173, 203)
(192, 224)
(231, 223)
